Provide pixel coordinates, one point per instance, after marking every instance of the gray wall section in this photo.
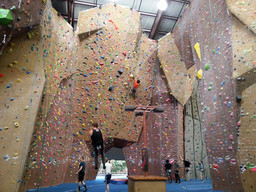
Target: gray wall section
(195, 148)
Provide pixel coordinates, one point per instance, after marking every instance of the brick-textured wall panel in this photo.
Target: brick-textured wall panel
(162, 129)
(210, 26)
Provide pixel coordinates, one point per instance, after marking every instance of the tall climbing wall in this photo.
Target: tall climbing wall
(244, 72)
(162, 131)
(18, 16)
(22, 81)
(195, 147)
(53, 149)
(208, 31)
(88, 84)
(109, 61)
(55, 82)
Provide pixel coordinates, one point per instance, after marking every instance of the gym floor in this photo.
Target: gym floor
(98, 185)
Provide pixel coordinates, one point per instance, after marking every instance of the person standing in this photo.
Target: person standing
(177, 172)
(97, 142)
(168, 169)
(108, 173)
(201, 169)
(80, 174)
(187, 165)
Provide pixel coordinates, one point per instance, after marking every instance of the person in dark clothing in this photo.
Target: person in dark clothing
(168, 169)
(177, 171)
(80, 174)
(187, 165)
(97, 142)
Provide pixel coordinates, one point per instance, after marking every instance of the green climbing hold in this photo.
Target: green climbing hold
(5, 16)
(207, 67)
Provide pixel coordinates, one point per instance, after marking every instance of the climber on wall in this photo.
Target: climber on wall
(97, 142)
(136, 84)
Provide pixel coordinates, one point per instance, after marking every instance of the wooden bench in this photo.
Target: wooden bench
(150, 183)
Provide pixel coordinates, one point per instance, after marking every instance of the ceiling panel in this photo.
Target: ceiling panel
(149, 6)
(60, 6)
(158, 36)
(136, 4)
(147, 21)
(146, 33)
(173, 9)
(79, 8)
(166, 25)
(120, 2)
(89, 1)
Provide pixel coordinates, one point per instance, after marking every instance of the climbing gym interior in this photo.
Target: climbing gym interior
(65, 64)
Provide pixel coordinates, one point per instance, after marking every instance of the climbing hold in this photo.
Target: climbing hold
(5, 17)
(13, 8)
(26, 108)
(120, 71)
(16, 124)
(111, 88)
(207, 67)
(238, 99)
(6, 157)
(197, 48)
(200, 74)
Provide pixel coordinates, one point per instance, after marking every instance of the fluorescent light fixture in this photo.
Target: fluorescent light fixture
(162, 5)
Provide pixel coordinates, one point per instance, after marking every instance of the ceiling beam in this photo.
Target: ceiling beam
(181, 1)
(86, 3)
(72, 13)
(156, 24)
(69, 8)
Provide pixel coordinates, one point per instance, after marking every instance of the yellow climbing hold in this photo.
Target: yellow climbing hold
(197, 48)
(200, 74)
(16, 124)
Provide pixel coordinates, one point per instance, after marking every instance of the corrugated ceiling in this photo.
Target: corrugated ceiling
(147, 8)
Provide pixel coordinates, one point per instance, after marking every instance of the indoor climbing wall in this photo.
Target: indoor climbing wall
(180, 78)
(22, 80)
(88, 84)
(111, 58)
(195, 147)
(53, 149)
(18, 16)
(207, 32)
(244, 72)
(162, 131)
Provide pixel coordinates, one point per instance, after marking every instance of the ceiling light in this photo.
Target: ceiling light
(162, 5)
